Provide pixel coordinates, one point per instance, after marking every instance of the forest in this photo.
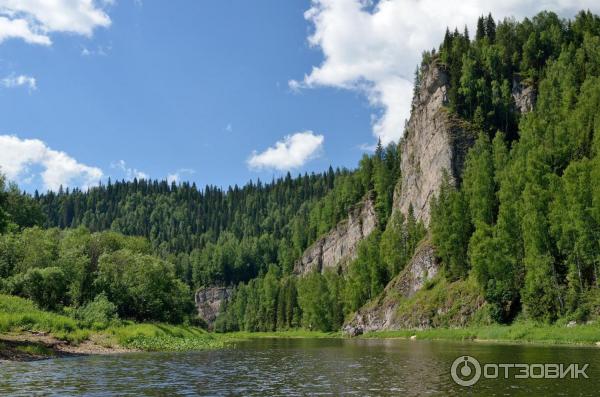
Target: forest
(524, 222)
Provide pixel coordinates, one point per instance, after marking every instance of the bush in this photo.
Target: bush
(47, 287)
(98, 313)
(143, 287)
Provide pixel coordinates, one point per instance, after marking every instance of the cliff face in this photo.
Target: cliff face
(417, 299)
(524, 96)
(209, 301)
(381, 313)
(434, 141)
(339, 246)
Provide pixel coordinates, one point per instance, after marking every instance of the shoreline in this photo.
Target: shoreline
(34, 346)
(31, 346)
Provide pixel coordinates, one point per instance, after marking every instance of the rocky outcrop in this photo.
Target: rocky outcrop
(380, 314)
(339, 246)
(524, 96)
(435, 142)
(209, 301)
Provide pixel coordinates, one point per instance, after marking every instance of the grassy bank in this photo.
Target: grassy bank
(290, 334)
(25, 328)
(27, 332)
(523, 332)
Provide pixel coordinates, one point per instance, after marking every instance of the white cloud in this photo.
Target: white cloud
(176, 176)
(229, 127)
(18, 155)
(99, 51)
(129, 172)
(374, 47)
(291, 152)
(18, 81)
(34, 20)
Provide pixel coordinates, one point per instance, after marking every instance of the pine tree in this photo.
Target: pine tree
(480, 33)
(490, 28)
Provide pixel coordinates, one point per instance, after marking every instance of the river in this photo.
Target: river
(295, 367)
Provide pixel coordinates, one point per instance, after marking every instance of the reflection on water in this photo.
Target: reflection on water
(293, 367)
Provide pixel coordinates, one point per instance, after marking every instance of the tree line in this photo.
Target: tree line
(524, 222)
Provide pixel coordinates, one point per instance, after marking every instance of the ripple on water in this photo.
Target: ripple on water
(293, 368)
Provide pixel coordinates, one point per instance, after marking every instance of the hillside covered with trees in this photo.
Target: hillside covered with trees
(524, 224)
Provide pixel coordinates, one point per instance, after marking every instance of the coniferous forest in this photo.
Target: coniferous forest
(524, 223)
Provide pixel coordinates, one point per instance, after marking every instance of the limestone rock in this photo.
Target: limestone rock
(380, 314)
(209, 301)
(352, 331)
(434, 142)
(524, 96)
(339, 246)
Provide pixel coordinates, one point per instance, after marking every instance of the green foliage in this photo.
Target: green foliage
(46, 286)
(522, 221)
(399, 241)
(526, 217)
(21, 314)
(143, 287)
(367, 275)
(3, 204)
(451, 229)
(59, 268)
(165, 337)
(98, 313)
(316, 302)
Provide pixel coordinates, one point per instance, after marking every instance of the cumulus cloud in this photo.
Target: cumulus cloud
(18, 81)
(34, 20)
(129, 172)
(17, 156)
(291, 152)
(177, 175)
(374, 46)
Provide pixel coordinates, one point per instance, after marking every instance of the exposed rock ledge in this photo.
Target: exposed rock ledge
(524, 96)
(209, 301)
(380, 314)
(339, 246)
(435, 142)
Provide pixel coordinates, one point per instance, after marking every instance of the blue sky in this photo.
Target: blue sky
(217, 92)
(196, 86)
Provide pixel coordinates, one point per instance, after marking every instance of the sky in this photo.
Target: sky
(215, 92)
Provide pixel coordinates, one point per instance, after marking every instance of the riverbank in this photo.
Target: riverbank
(28, 333)
(522, 332)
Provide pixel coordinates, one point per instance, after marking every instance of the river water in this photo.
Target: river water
(297, 367)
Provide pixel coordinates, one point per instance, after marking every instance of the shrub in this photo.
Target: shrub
(98, 313)
(47, 287)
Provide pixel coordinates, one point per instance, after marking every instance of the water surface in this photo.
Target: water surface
(297, 367)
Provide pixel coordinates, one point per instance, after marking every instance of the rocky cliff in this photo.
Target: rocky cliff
(524, 96)
(434, 142)
(380, 314)
(418, 299)
(339, 246)
(209, 301)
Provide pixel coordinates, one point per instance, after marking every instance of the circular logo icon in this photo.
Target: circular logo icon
(465, 371)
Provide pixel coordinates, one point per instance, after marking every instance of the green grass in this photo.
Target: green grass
(17, 314)
(21, 315)
(165, 337)
(295, 333)
(35, 350)
(528, 332)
